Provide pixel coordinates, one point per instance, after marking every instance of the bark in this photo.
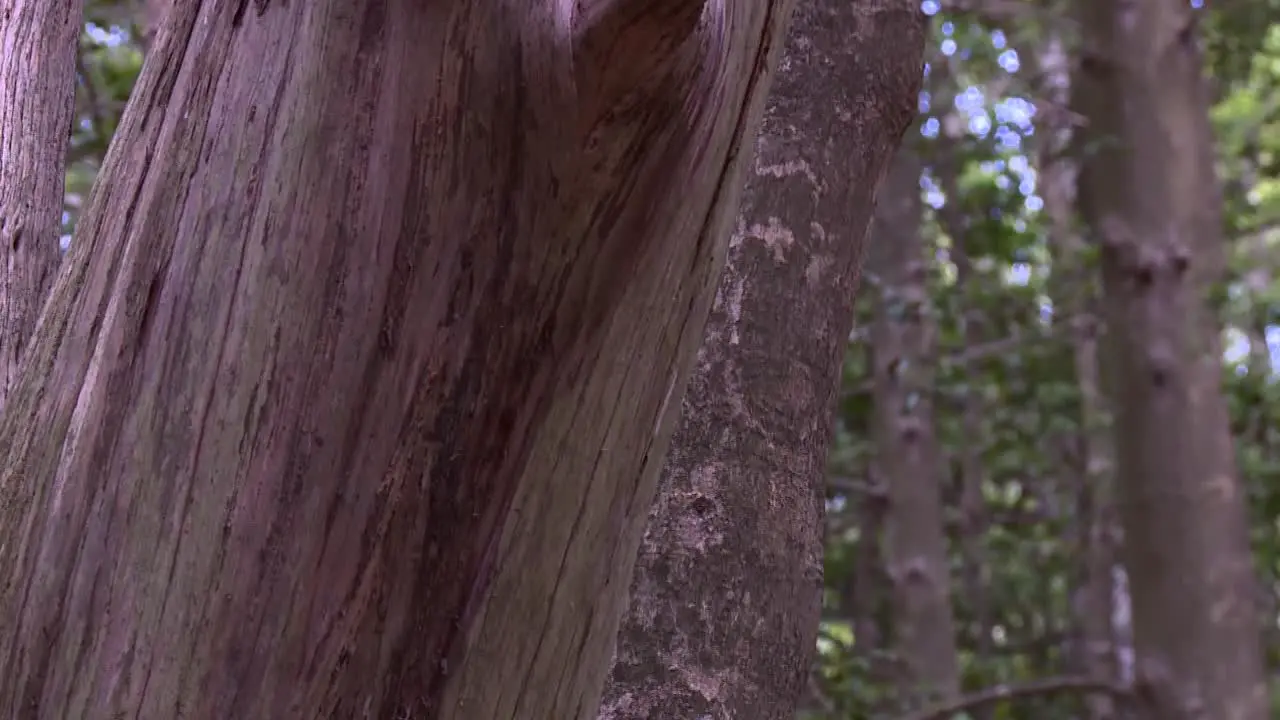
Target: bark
(1257, 280)
(1150, 196)
(37, 97)
(867, 595)
(727, 589)
(903, 342)
(352, 399)
(1074, 293)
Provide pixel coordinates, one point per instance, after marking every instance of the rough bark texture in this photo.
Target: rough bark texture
(727, 588)
(1148, 191)
(352, 400)
(37, 98)
(903, 340)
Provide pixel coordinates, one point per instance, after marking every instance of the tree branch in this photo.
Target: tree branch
(977, 353)
(1007, 693)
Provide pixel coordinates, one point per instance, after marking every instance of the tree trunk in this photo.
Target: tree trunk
(728, 585)
(1149, 194)
(974, 430)
(37, 96)
(868, 593)
(1073, 291)
(352, 400)
(903, 344)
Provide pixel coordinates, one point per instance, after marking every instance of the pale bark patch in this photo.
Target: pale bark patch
(778, 238)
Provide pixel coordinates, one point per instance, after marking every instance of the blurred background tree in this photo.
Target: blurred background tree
(1020, 405)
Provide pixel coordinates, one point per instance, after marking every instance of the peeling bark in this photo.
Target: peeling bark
(903, 342)
(1149, 194)
(37, 98)
(727, 589)
(352, 398)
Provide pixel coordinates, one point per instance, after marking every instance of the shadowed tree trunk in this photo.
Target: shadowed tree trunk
(903, 342)
(728, 585)
(351, 397)
(37, 97)
(1149, 193)
(974, 431)
(1073, 289)
(869, 593)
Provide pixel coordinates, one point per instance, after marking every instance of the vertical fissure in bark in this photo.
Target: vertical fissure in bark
(727, 587)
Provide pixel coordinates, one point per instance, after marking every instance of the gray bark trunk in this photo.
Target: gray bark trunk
(975, 434)
(1148, 192)
(1074, 292)
(903, 342)
(727, 588)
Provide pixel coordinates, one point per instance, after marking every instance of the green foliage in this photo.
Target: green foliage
(1236, 35)
(1031, 426)
(1247, 121)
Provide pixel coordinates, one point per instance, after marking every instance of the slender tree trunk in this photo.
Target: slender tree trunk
(1092, 481)
(974, 438)
(869, 593)
(352, 398)
(903, 342)
(1074, 293)
(1149, 193)
(728, 585)
(974, 433)
(37, 98)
